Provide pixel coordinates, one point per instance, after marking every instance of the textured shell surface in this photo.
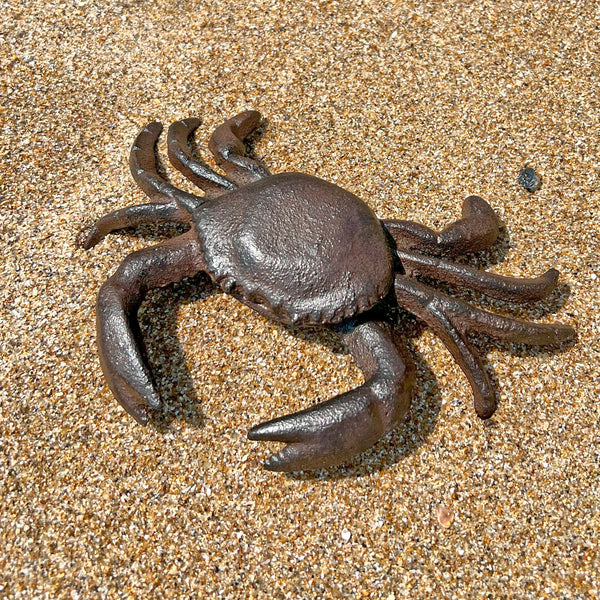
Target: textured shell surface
(296, 248)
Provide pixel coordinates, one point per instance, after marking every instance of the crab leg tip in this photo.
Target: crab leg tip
(565, 333)
(92, 238)
(485, 407)
(192, 122)
(155, 127)
(141, 417)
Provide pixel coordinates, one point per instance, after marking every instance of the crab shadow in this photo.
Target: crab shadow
(166, 356)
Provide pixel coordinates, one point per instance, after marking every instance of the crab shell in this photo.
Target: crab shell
(275, 245)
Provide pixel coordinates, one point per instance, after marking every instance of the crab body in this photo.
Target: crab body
(303, 251)
(274, 245)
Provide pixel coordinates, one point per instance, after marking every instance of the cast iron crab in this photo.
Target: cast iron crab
(302, 251)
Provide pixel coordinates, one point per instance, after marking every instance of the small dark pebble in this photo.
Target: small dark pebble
(529, 179)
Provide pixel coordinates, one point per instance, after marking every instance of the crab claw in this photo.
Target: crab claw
(335, 431)
(118, 334)
(326, 434)
(121, 359)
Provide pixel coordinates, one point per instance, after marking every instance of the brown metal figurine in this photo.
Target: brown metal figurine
(305, 252)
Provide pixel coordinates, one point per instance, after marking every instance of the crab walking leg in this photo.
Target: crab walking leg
(430, 311)
(510, 289)
(118, 335)
(142, 162)
(476, 230)
(169, 204)
(452, 320)
(227, 145)
(196, 171)
(132, 216)
(333, 432)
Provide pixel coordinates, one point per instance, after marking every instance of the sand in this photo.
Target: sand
(412, 106)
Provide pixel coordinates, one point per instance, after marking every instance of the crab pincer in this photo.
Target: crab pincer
(335, 431)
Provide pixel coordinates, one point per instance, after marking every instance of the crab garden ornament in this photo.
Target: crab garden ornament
(305, 252)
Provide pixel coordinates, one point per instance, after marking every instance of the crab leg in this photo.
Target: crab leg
(333, 432)
(181, 158)
(510, 289)
(452, 320)
(227, 145)
(142, 162)
(476, 230)
(118, 335)
(132, 216)
(169, 204)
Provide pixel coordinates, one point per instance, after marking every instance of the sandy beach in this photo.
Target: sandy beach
(412, 106)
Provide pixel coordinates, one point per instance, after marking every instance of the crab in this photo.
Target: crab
(305, 252)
